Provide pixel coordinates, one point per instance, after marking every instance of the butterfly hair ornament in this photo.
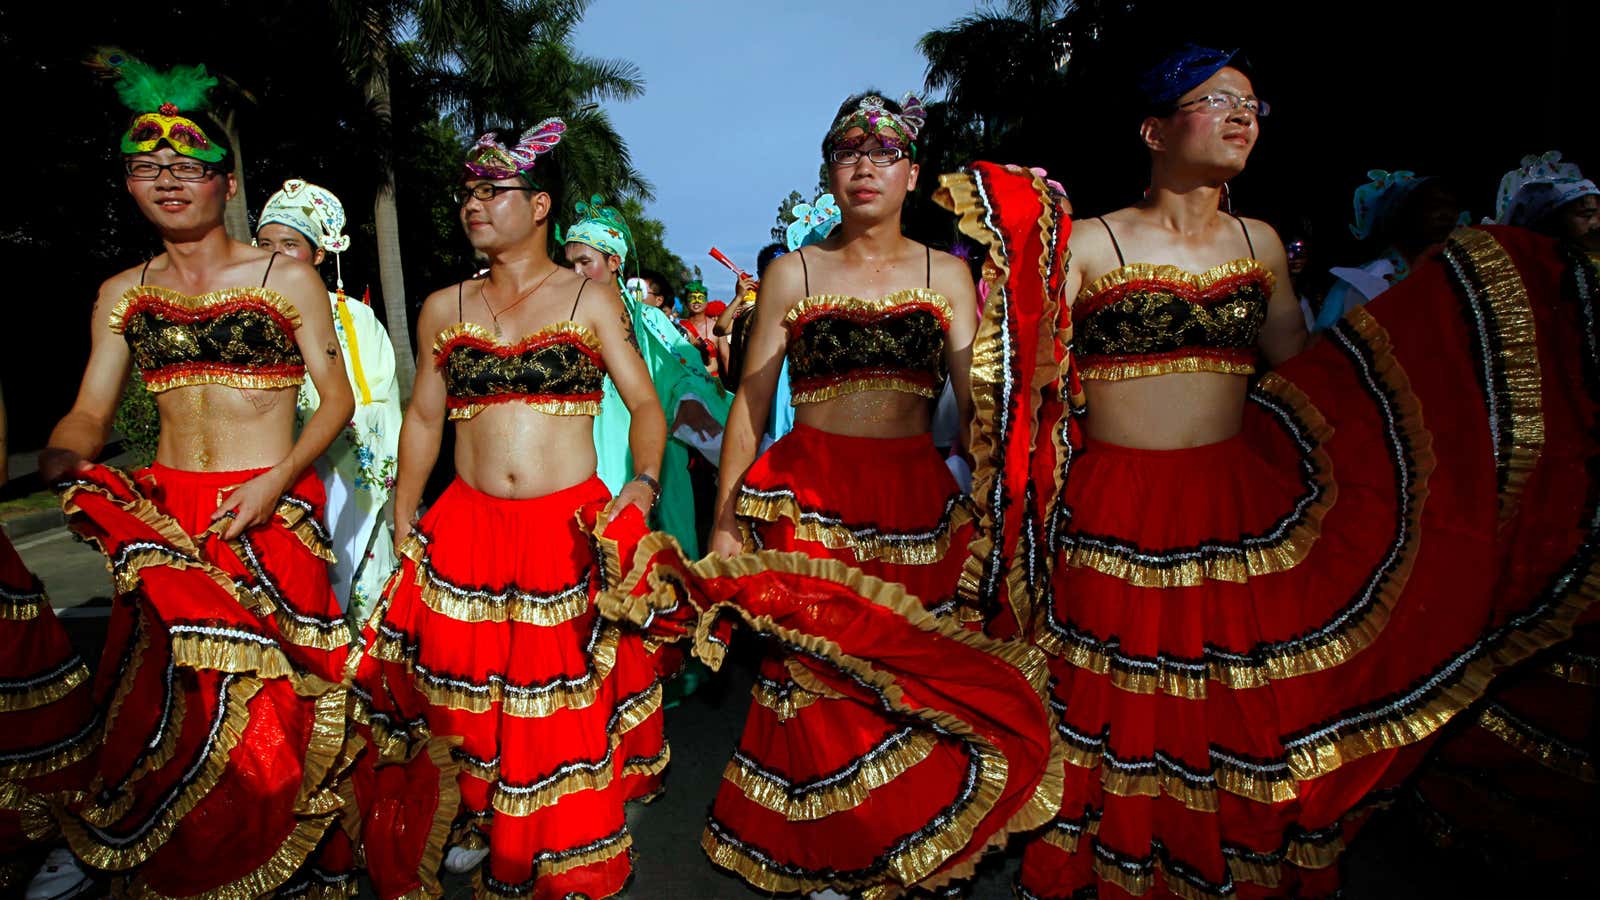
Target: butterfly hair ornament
(489, 158)
(1376, 200)
(1543, 184)
(874, 117)
(812, 222)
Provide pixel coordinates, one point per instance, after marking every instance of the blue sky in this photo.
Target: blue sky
(737, 97)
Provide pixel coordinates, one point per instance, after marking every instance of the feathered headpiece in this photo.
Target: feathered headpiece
(874, 118)
(694, 289)
(159, 101)
(812, 222)
(489, 158)
(601, 227)
(1543, 185)
(314, 212)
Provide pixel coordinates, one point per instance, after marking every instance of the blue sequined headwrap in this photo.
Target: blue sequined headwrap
(1181, 72)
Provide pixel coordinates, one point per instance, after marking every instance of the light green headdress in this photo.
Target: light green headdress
(601, 227)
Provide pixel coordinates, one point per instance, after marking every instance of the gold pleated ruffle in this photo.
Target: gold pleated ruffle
(520, 701)
(46, 689)
(840, 793)
(473, 330)
(263, 296)
(586, 775)
(1513, 342)
(1576, 668)
(1124, 371)
(1198, 282)
(866, 541)
(1547, 750)
(857, 384)
(228, 376)
(21, 605)
(887, 305)
(473, 605)
(546, 406)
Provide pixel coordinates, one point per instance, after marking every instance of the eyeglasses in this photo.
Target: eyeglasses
(485, 192)
(1229, 102)
(183, 170)
(880, 156)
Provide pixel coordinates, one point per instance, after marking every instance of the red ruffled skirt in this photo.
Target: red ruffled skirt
(1254, 641)
(48, 725)
(223, 722)
(485, 660)
(886, 746)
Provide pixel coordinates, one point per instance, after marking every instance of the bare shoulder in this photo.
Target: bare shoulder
(785, 280)
(1093, 253)
(1263, 237)
(439, 308)
(294, 276)
(118, 284)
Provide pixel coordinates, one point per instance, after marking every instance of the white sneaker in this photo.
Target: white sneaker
(59, 878)
(460, 860)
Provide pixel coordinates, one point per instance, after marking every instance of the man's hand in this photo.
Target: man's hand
(58, 463)
(634, 492)
(252, 504)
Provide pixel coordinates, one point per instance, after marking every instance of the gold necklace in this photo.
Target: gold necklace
(483, 292)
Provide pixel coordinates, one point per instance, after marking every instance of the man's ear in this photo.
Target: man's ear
(1152, 131)
(233, 185)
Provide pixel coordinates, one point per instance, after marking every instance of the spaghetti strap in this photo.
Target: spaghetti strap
(270, 260)
(1114, 245)
(146, 270)
(1247, 241)
(804, 272)
(575, 300)
(461, 287)
(928, 256)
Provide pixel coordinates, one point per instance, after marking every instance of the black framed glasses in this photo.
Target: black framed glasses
(879, 156)
(486, 192)
(183, 170)
(1229, 102)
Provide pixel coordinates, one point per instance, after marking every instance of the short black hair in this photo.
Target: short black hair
(769, 253)
(659, 280)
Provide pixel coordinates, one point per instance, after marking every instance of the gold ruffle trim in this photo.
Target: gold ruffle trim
(23, 608)
(264, 296)
(507, 604)
(474, 330)
(1552, 753)
(838, 796)
(497, 694)
(857, 384)
(592, 775)
(958, 192)
(1124, 371)
(46, 692)
(157, 383)
(1197, 281)
(885, 305)
(1280, 556)
(786, 702)
(1335, 649)
(1577, 669)
(1515, 341)
(866, 545)
(548, 407)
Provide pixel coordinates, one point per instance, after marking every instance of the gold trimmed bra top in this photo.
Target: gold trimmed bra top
(840, 344)
(1142, 319)
(240, 337)
(556, 370)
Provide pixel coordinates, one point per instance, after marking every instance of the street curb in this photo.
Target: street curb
(33, 523)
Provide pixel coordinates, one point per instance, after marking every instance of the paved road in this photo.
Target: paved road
(1389, 860)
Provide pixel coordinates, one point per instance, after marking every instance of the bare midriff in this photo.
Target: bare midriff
(887, 414)
(1166, 412)
(513, 451)
(216, 428)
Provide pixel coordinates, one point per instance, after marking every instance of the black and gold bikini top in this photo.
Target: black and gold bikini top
(1141, 319)
(557, 369)
(841, 345)
(240, 337)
